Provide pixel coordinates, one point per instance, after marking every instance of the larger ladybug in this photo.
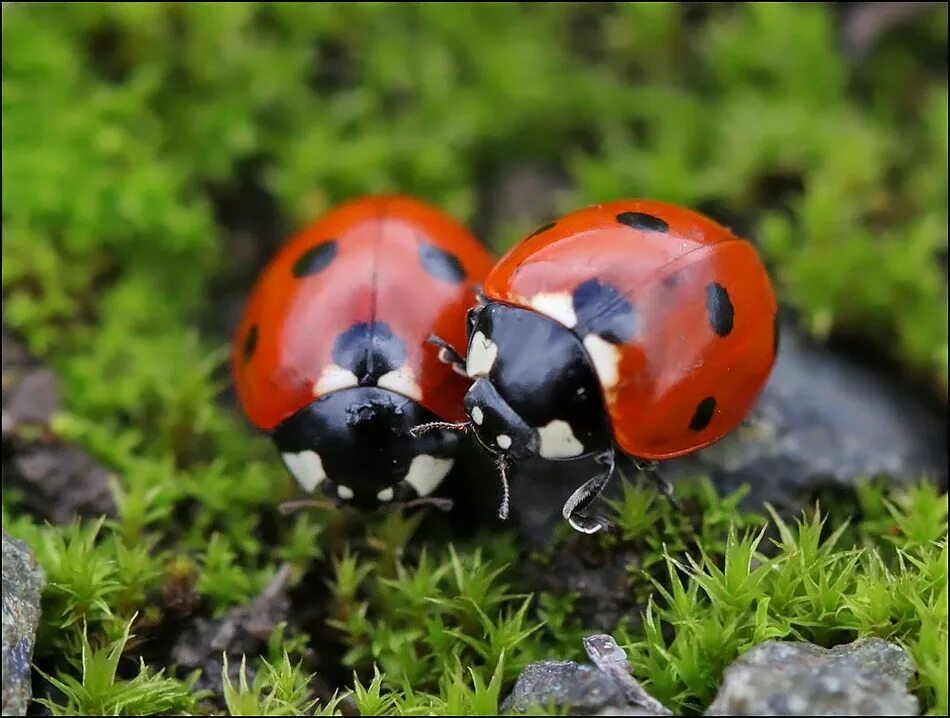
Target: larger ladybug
(331, 356)
(631, 331)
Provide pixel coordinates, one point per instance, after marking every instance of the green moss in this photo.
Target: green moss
(123, 126)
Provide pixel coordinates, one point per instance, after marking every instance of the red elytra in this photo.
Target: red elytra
(705, 319)
(388, 259)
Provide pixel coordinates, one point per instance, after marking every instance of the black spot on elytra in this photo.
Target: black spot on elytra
(719, 309)
(539, 230)
(440, 264)
(703, 414)
(250, 342)
(639, 220)
(601, 309)
(369, 350)
(315, 259)
(671, 280)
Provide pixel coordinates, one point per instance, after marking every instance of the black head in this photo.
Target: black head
(536, 393)
(355, 446)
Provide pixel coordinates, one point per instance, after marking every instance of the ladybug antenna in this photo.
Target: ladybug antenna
(503, 472)
(421, 429)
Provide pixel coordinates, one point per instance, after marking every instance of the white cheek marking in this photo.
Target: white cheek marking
(606, 358)
(334, 378)
(402, 381)
(477, 416)
(557, 305)
(307, 468)
(386, 494)
(344, 492)
(481, 355)
(503, 441)
(426, 473)
(558, 441)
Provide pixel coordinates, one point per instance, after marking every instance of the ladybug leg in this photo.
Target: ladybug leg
(405, 497)
(585, 495)
(649, 469)
(433, 501)
(448, 355)
(289, 507)
(328, 500)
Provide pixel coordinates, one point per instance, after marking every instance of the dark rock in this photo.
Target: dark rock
(864, 24)
(598, 576)
(59, 480)
(23, 582)
(867, 677)
(242, 631)
(605, 688)
(822, 422)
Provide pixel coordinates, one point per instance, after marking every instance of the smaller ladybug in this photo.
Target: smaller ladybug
(331, 355)
(624, 333)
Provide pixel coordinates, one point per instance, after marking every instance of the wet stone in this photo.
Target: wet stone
(866, 677)
(604, 687)
(23, 582)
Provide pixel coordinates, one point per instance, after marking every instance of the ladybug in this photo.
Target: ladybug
(621, 334)
(331, 356)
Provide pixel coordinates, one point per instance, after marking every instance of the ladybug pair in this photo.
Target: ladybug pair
(624, 333)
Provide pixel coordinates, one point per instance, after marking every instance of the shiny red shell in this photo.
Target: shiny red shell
(375, 272)
(682, 381)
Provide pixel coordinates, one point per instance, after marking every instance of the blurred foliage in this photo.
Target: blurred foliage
(120, 120)
(124, 125)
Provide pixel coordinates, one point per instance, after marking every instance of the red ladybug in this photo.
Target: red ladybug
(331, 355)
(630, 331)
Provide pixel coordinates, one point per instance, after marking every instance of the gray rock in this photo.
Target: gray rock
(605, 688)
(58, 480)
(867, 677)
(23, 582)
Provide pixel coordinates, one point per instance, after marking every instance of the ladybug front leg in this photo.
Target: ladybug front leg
(585, 495)
(448, 355)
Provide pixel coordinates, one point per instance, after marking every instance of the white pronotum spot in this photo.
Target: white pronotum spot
(386, 494)
(334, 378)
(306, 467)
(402, 381)
(426, 473)
(558, 441)
(606, 359)
(344, 492)
(503, 441)
(557, 305)
(477, 416)
(482, 353)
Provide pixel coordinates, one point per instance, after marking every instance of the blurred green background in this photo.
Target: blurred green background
(154, 155)
(125, 124)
